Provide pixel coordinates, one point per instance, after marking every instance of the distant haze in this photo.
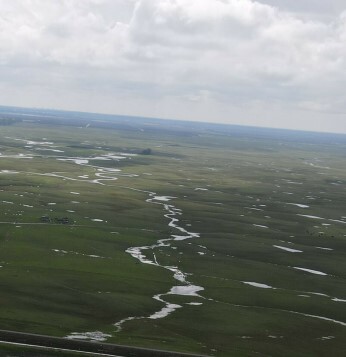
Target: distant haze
(263, 63)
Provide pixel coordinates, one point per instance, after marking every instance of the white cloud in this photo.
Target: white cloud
(205, 58)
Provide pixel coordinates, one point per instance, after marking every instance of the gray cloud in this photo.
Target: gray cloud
(312, 8)
(236, 61)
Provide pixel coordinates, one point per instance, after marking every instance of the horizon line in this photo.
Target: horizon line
(173, 119)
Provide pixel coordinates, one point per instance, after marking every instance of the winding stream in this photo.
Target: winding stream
(185, 288)
(104, 175)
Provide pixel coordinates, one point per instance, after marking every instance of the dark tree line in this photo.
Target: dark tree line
(146, 152)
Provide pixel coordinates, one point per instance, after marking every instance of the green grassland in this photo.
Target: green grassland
(235, 190)
(9, 350)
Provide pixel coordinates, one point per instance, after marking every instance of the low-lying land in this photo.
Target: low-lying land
(223, 241)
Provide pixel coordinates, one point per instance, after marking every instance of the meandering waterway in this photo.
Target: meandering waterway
(185, 287)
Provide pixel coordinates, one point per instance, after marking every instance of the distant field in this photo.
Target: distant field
(223, 241)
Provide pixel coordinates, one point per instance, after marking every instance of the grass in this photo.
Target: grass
(52, 283)
(7, 350)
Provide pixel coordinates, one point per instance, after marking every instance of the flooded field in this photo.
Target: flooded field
(216, 241)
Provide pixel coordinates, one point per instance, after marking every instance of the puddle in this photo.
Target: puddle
(288, 249)
(258, 285)
(309, 216)
(92, 336)
(298, 205)
(260, 226)
(311, 271)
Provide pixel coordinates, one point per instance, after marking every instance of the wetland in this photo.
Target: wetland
(218, 240)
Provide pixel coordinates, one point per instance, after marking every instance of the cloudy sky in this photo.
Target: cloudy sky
(276, 63)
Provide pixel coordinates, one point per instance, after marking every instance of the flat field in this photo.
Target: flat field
(224, 241)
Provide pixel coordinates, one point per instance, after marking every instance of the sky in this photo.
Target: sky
(272, 63)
